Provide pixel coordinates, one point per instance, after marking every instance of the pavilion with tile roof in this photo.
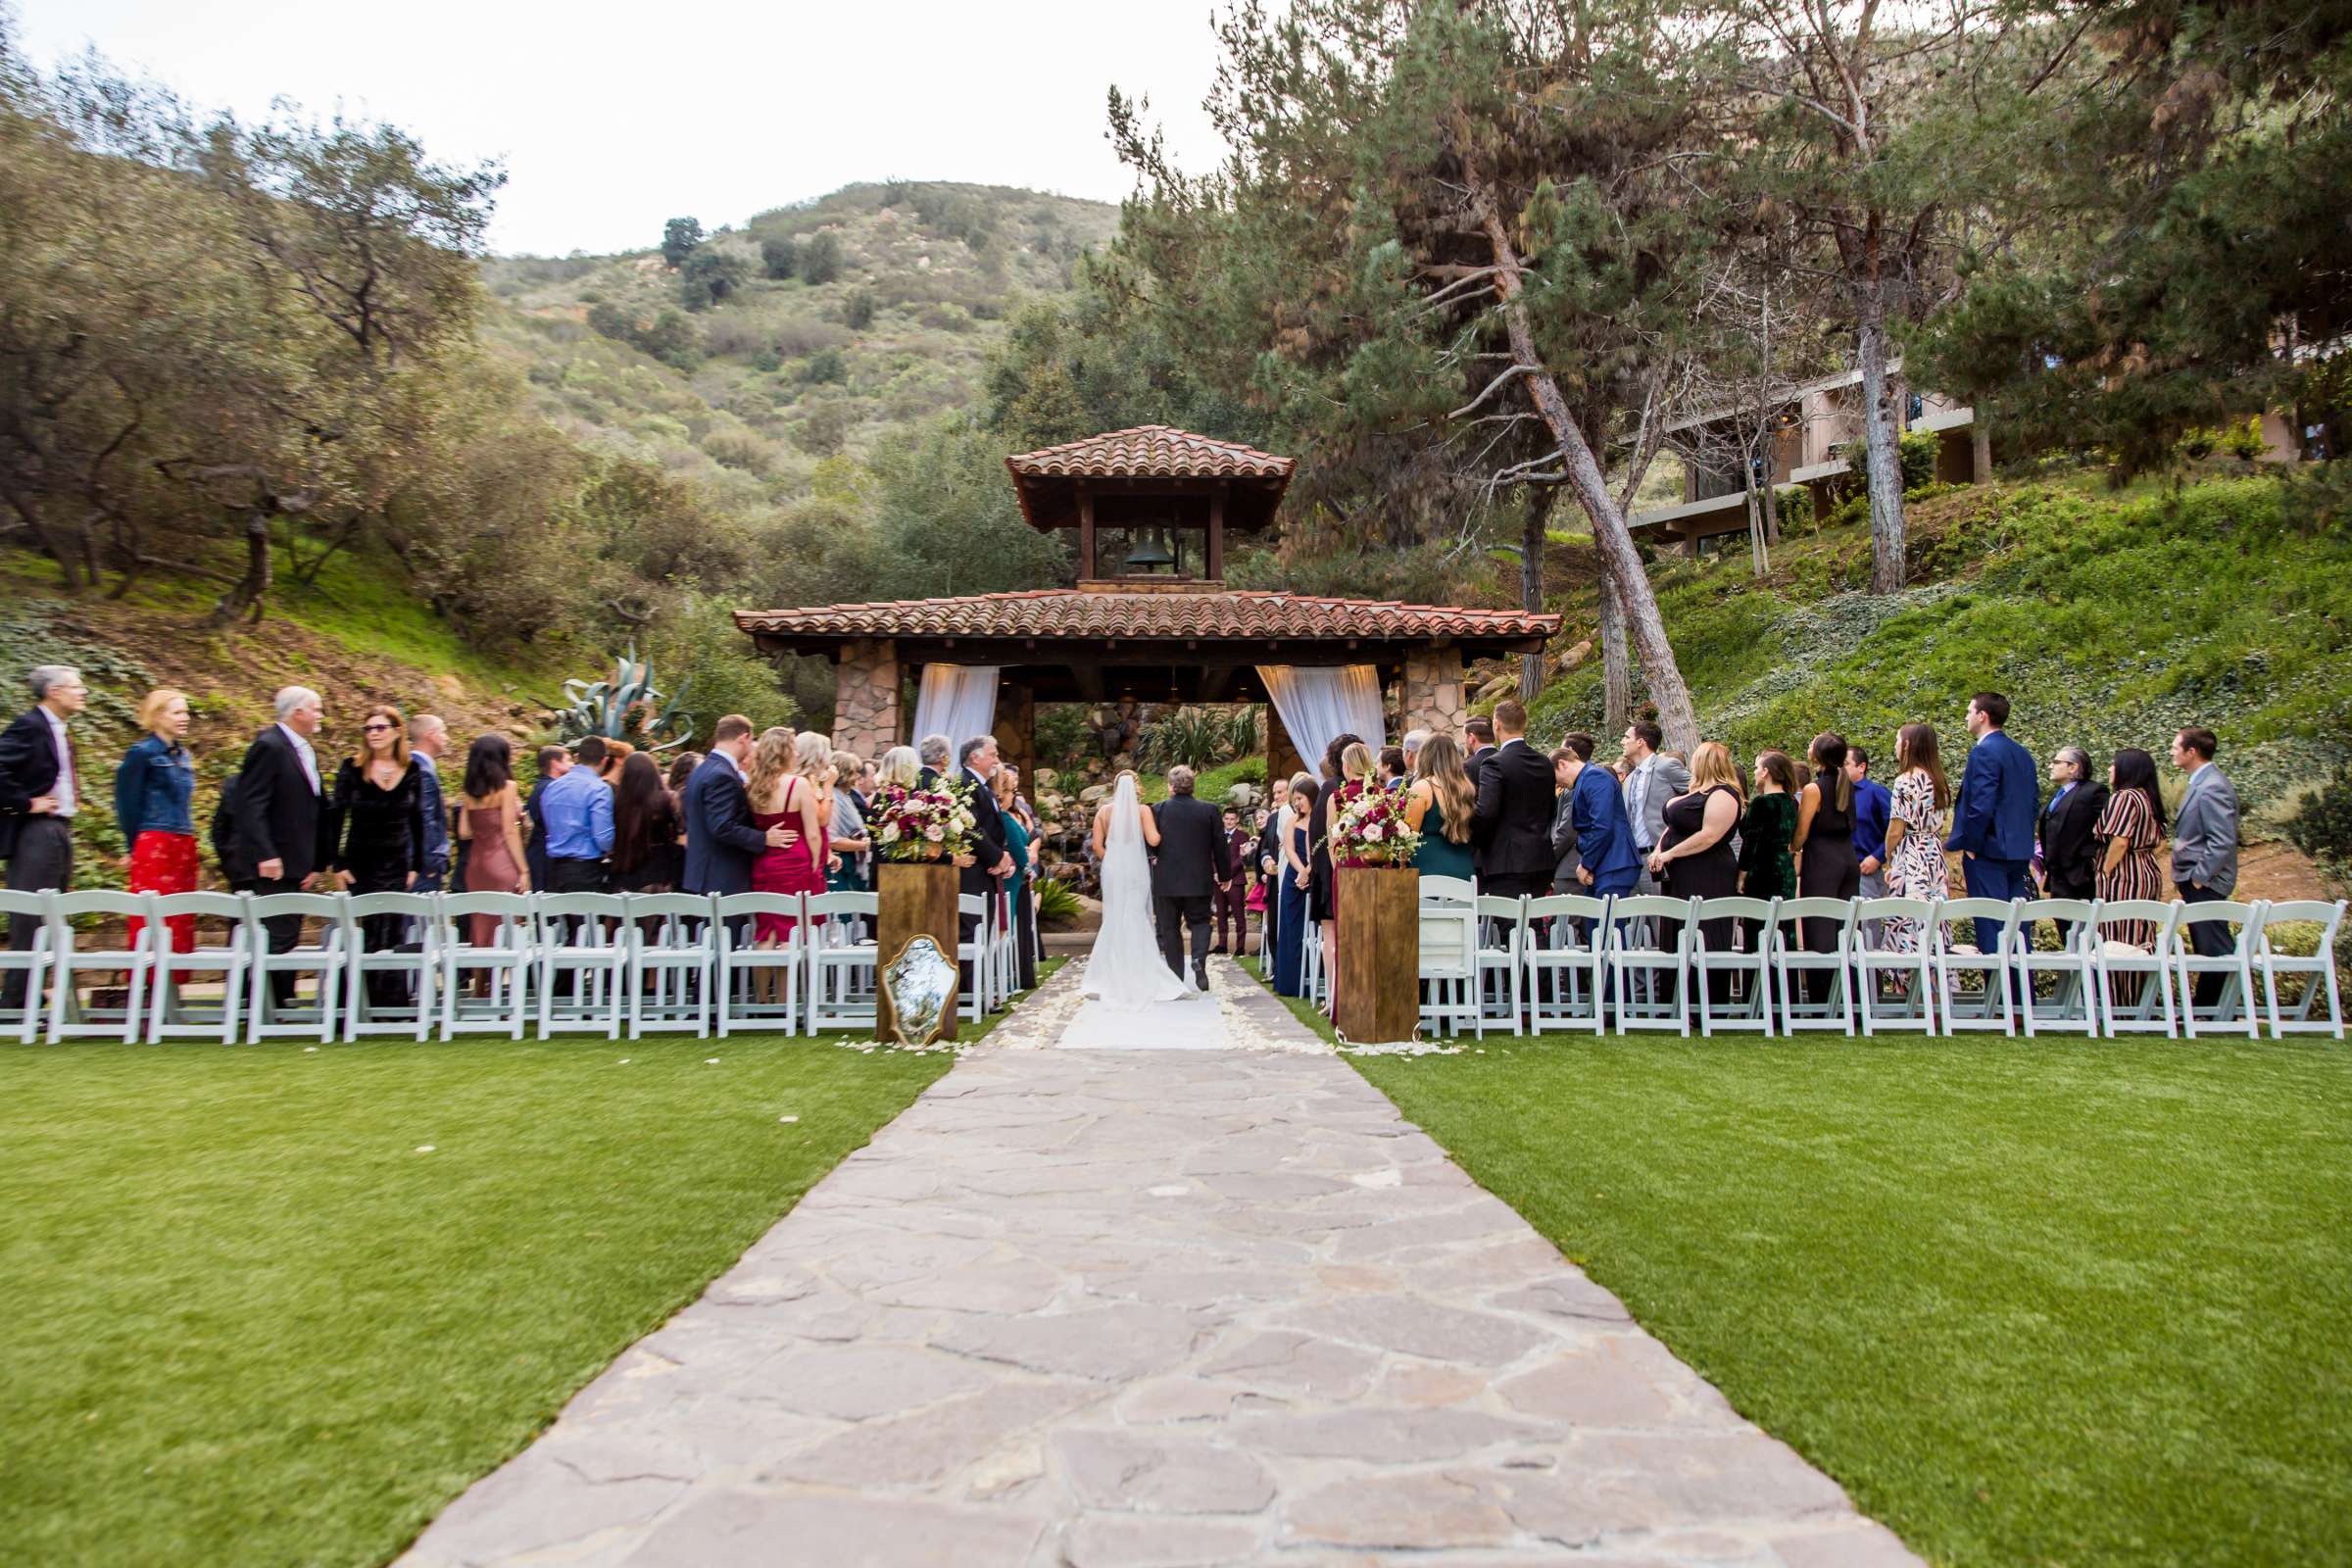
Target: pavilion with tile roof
(1151, 617)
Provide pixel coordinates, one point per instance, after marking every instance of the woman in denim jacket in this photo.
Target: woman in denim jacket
(155, 791)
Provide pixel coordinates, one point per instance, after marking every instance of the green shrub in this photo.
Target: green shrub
(779, 256)
(679, 237)
(820, 257)
(2322, 830)
(1057, 905)
(858, 314)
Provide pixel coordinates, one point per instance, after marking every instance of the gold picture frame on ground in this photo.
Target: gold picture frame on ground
(920, 983)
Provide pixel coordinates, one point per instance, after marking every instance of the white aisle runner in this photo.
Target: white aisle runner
(1195, 1023)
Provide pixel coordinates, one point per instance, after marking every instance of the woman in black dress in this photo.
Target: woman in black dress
(374, 835)
(1695, 858)
(1827, 867)
(647, 857)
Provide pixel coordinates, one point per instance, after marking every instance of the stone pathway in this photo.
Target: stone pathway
(1096, 1308)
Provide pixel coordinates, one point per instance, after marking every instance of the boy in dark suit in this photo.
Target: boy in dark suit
(1517, 799)
(1992, 824)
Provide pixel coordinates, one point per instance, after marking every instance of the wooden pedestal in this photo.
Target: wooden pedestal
(916, 897)
(1378, 964)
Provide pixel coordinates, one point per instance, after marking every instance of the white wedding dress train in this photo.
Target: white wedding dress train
(1133, 999)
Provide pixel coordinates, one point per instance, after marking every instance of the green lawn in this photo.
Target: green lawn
(2032, 1302)
(249, 1321)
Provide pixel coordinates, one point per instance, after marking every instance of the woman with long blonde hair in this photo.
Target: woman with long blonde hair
(1438, 807)
(902, 767)
(780, 795)
(1693, 859)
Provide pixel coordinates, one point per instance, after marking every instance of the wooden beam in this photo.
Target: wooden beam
(1089, 680)
(1085, 530)
(1216, 534)
(1216, 680)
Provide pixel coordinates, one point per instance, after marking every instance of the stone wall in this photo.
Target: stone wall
(1431, 696)
(866, 703)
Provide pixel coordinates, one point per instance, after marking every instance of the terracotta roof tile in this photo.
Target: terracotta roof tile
(1077, 613)
(1158, 449)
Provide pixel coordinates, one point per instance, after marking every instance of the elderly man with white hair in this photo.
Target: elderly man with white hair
(40, 790)
(273, 815)
(1414, 740)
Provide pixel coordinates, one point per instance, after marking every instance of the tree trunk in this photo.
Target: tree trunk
(1979, 444)
(1532, 542)
(1616, 662)
(1591, 486)
(246, 596)
(1884, 464)
(1772, 514)
(48, 544)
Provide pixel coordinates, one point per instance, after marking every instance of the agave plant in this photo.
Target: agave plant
(625, 706)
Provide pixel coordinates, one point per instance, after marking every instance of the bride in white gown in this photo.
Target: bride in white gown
(1125, 969)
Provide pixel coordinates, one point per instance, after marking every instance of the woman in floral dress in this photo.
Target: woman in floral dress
(1915, 865)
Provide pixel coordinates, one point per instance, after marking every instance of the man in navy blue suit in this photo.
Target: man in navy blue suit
(1992, 822)
(720, 841)
(1605, 861)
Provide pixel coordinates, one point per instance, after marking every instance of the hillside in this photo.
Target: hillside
(897, 294)
(2110, 618)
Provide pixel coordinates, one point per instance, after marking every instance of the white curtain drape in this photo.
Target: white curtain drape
(1318, 703)
(957, 700)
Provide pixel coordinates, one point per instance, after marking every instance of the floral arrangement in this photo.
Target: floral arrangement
(1372, 829)
(921, 824)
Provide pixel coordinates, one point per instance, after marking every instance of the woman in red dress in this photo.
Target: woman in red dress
(782, 795)
(155, 791)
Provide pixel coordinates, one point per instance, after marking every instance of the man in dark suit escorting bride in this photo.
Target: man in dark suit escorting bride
(1192, 862)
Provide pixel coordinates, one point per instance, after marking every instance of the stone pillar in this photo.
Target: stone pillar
(1016, 734)
(865, 701)
(1429, 697)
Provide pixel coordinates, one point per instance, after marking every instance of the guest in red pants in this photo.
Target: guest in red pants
(155, 790)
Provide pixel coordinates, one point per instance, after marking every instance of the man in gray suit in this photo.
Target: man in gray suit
(2205, 848)
(1656, 778)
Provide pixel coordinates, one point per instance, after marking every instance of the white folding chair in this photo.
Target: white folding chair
(503, 962)
(577, 939)
(1313, 984)
(2071, 1003)
(1501, 939)
(670, 948)
(1447, 890)
(2231, 1010)
(1792, 964)
(1893, 987)
(1751, 1007)
(760, 987)
(410, 968)
(1953, 955)
(843, 946)
(974, 956)
(178, 1014)
(2115, 964)
(32, 963)
(132, 959)
(1566, 935)
(265, 1017)
(1449, 967)
(2317, 967)
(1648, 963)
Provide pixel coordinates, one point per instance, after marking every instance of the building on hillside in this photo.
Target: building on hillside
(1150, 619)
(1816, 442)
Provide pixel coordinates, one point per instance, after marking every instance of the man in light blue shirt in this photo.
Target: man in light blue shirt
(577, 811)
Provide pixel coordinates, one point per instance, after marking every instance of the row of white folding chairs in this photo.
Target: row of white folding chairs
(1644, 961)
(565, 961)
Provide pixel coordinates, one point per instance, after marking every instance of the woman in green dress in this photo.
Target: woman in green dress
(1017, 838)
(1438, 806)
(1766, 870)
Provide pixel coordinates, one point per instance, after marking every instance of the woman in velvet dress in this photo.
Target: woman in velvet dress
(374, 835)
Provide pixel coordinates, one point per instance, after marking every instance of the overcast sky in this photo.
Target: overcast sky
(613, 119)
